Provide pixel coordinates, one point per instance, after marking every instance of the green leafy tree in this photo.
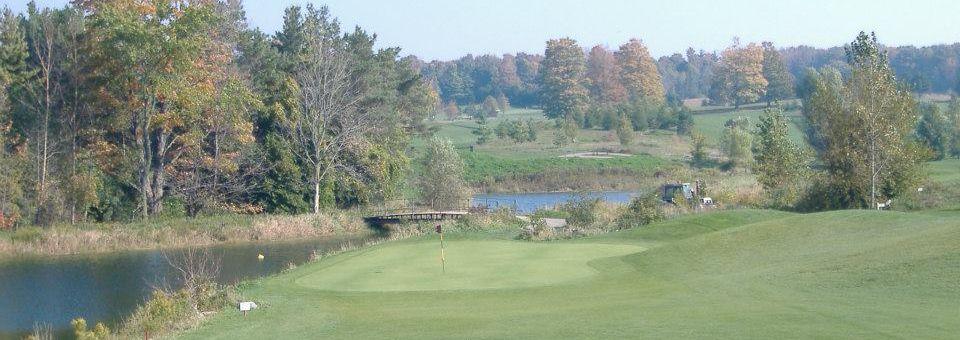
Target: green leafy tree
(779, 80)
(531, 131)
(779, 163)
(698, 152)
(934, 131)
(625, 131)
(562, 73)
(736, 140)
(866, 127)
(483, 131)
(953, 117)
(685, 122)
(441, 183)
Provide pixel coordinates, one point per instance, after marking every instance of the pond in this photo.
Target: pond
(526, 203)
(106, 288)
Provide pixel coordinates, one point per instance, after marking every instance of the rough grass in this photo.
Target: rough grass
(174, 233)
(737, 274)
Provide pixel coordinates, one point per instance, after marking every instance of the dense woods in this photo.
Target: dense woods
(118, 110)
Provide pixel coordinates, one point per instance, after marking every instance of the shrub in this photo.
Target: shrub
(582, 210)
(99, 332)
(537, 231)
(641, 211)
(27, 235)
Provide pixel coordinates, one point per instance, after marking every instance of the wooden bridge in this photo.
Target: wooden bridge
(417, 216)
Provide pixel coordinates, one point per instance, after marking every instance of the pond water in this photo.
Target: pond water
(106, 288)
(526, 203)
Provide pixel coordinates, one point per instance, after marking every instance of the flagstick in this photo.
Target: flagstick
(443, 259)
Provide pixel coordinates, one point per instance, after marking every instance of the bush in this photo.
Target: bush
(99, 332)
(641, 211)
(537, 231)
(582, 210)
(27, 235)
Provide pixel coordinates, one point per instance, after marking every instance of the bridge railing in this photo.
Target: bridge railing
(408, 206)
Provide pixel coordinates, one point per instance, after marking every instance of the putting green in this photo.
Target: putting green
(470, 265)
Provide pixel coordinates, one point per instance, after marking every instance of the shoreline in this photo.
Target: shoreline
(94, 239)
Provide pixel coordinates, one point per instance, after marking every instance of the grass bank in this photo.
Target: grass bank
(732, 274)
(174, 233)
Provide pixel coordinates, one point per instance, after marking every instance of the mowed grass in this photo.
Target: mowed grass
(736, 274)
(711, 125)
(945, 171)
(469, 265)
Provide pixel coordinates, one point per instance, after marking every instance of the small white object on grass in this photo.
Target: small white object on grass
(260, 257)
(247, 306)
(919, 189)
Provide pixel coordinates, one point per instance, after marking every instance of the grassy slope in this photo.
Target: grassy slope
(738, 274)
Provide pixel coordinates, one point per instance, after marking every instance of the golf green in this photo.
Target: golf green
(469, 265)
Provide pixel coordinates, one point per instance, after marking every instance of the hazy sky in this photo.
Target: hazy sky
(447, 29)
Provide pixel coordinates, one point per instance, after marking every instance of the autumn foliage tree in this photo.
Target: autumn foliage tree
(639, 73)
(739, 78)
(603, 73)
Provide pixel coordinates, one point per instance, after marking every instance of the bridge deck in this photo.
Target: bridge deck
(416, 216)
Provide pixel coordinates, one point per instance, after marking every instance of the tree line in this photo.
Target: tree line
(126, 109)
(694, 73)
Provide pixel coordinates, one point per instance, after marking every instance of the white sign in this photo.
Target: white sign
(248, 306)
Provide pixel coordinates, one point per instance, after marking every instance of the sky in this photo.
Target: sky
(448, 29)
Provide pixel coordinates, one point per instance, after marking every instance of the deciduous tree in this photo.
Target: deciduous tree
(638, 72)
(563, 91)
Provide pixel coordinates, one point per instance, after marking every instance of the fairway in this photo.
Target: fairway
(469, 265)
(732, 275)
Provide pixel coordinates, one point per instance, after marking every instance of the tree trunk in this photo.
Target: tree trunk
(316, 189)
(144, 174)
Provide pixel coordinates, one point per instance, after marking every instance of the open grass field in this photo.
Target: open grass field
(945, 172)
(711, 125)
(735, 274)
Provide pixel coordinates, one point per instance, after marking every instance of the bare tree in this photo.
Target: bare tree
(329, 120)
(197, 267)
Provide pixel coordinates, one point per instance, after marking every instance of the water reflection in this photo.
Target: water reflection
(105, 288)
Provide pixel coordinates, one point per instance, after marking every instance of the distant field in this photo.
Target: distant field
(946, 171)
(711, 125)
(727, 275)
